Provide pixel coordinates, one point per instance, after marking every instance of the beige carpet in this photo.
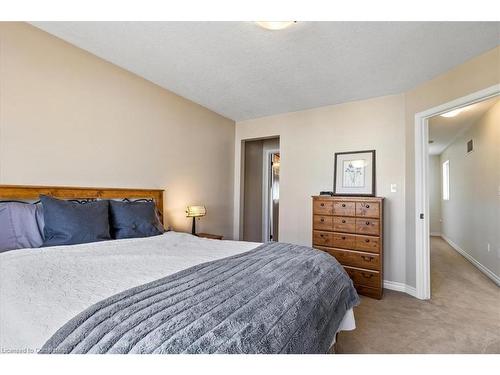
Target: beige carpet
(463, 315)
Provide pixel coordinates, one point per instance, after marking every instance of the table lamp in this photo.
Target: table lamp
(194, 212)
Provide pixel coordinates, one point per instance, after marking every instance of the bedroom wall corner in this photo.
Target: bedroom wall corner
(70, 118)
(308, 141)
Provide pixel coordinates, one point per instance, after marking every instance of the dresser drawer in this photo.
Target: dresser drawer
(322, 207)
(368, 209)
(344, 241)
(322, 238)
(344, 208)
(368, 243)
(321, 222)
(355, 258)
(364, 277)
(344, 224)
(368, 226)
(369, 291)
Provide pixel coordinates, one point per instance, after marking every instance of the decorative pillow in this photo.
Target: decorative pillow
(71, 223)
(21, 225)
(134, 219)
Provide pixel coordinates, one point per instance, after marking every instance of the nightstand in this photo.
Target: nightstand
(211, 236)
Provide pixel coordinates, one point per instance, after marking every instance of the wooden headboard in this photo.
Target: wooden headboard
(26, 192)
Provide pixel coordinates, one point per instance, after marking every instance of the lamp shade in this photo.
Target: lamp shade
(196, 211)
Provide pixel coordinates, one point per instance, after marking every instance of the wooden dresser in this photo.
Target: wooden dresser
(351, 229)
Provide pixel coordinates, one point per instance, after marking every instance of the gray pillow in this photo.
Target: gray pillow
(71, 223)
(21, 225)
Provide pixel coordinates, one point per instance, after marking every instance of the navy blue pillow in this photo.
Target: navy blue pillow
(134, 219)
(71, 223)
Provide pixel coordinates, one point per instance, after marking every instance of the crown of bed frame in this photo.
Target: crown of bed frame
(26, 192)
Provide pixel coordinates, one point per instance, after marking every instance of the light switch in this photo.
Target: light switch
(394, 188)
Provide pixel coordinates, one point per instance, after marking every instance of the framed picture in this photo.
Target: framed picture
(354, 173)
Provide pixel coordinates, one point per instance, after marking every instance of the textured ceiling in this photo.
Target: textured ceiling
(444, 130)
(242, 71)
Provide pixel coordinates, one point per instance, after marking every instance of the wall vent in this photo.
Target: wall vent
(470, 146)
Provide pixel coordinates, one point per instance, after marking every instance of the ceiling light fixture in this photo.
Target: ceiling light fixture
(275, 25)
(453, 113)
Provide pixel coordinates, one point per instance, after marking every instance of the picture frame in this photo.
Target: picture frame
(354, 173)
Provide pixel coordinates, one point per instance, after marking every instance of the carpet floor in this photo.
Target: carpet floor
(462, 316)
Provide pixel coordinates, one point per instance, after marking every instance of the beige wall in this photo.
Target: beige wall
(474, 75)
(308, 141)
(471, 215)
(70, 118)
(435, 194)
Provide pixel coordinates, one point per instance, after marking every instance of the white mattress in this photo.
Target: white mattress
(41, 289)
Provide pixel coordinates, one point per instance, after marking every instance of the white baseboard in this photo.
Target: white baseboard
(471, 259)
(435, 234)
(400, 287)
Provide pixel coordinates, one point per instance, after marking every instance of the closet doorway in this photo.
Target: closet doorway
(261, 182)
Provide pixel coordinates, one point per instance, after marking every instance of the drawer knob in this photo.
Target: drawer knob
(367, 275)
(322, 220)
(343, 237)
(367, 223)
(322, 205)
(321, 235)
(367, 258)
(367, 206)
(367, 240)
(343, 204)
(343, 221)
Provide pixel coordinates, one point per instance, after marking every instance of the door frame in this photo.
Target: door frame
(422, 229)
(266, 175)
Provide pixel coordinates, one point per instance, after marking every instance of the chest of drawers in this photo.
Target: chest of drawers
(351, 230)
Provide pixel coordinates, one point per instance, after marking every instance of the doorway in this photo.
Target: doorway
(422, 182)
(261, 182)
(463, 203)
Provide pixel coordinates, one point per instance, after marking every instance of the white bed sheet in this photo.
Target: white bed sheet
(41, 289)
(347, 324)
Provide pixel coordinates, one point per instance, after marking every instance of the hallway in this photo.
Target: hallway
(463, 315)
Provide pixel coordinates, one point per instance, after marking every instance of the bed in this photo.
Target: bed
(48, 296)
